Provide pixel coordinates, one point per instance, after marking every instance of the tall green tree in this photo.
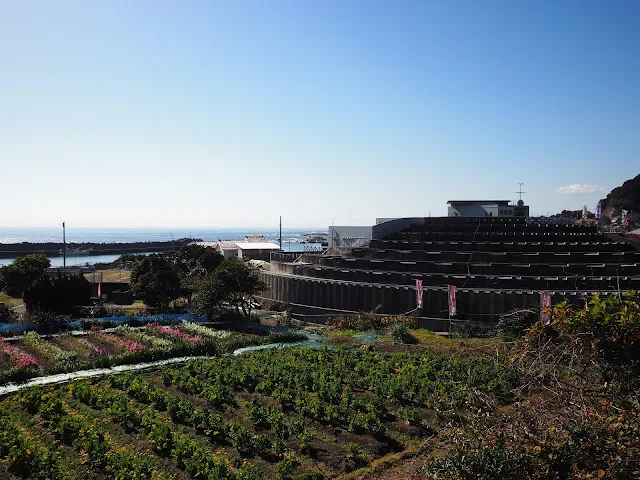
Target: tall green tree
(155, 281)
(194, 263)
(23, 272)
(234, 284)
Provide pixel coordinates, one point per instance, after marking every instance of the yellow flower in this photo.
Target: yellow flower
(600, 473)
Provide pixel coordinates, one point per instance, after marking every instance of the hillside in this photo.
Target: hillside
(625, 197)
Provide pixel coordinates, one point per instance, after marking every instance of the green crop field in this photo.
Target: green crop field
(271, 414)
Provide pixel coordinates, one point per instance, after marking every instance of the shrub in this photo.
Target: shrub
(285, 467)
(411, 415)
(400, 333)
(240, 435)
(488, 462)
(262, 443)
(354, 459)
(161, 437)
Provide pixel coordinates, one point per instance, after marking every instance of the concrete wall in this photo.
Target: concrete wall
(473, 304)
(349, 236)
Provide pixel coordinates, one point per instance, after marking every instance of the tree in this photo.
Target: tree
(58, 295)
(193, 263)
(234, 283)
(23, 272)
(155, 281)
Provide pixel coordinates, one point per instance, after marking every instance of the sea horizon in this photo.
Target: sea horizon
(10, 235)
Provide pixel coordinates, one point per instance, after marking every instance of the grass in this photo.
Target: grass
(114, 275)
(428, 343)
(10, 301)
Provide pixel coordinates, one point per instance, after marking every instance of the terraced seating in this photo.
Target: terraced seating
(496, 264)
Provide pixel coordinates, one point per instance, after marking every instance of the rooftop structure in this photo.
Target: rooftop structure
(487, 208)
(251, 247)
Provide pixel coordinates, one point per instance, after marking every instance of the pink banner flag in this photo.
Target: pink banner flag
(419, 292)
(99, 290)
(452, 300)
(545, 308)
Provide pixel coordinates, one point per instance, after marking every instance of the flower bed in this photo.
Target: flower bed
(174, 333)
(48, 349)
(203, 331)
(21, 358)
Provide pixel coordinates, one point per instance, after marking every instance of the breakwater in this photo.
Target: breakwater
(11, 250)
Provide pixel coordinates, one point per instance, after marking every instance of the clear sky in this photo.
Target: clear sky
(203, 113)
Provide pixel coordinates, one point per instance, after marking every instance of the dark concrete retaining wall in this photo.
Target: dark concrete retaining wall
(474, 304)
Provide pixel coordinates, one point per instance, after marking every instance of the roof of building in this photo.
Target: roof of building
(254, 239)
(240, 244)
(258, 246)
(478, 201)
(223, 244)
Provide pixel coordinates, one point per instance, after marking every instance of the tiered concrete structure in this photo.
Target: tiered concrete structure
(497, 264)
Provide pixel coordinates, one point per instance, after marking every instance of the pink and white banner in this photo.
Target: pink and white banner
(625, 218)
(545, 307)
(584, 211)
(452, 300)
(419, 292)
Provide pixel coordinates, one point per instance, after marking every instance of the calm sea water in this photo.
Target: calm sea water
(291, 238)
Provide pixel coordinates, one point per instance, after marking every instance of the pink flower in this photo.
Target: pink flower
(174, 332)
(21, 358)
(126, 343)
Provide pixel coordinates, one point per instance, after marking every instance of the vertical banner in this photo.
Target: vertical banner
(625, 219)
(452, 300)
(545, 307)
(419, 292)
(598, 210)
(99, 289)
(584, 211)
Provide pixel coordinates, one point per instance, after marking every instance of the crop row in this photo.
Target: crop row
(348, 387)
(237, 433)
(106, 455)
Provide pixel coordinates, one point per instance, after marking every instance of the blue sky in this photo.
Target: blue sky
(202, 113)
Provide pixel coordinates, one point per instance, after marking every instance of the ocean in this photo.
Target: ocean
(291, 238)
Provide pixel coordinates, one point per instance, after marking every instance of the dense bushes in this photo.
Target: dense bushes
(59, 294)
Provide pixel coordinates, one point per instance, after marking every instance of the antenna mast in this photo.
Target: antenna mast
(64, 247)
(520, 192)
(280, 232)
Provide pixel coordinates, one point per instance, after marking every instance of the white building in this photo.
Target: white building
(254, 248)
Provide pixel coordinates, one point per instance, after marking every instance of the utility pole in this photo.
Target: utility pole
(64, 247)
(280, 232)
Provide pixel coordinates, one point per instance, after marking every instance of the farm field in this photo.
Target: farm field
(34, 355)
(297, 413)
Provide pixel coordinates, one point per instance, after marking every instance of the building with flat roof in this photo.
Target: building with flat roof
(487, 208)
(251, 248)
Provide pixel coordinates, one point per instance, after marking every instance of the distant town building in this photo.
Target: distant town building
(252, 247)
(487, 208)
